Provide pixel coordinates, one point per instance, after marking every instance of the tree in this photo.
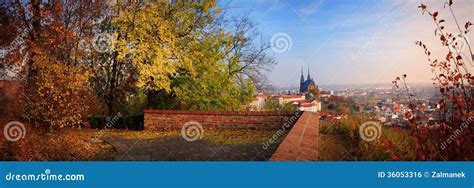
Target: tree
(46, 53)
(245, 51)
(193, 62)
(273, 104)
(61, 96)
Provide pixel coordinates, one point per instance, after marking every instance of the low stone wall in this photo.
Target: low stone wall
(176, 119)
(302, 142)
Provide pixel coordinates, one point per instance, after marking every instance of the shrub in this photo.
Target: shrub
(393, 144)
(128, 122)
(334, 128)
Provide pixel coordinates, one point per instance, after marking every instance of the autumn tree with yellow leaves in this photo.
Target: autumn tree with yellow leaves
(180, 54)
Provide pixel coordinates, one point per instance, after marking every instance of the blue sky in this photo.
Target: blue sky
(348, 41)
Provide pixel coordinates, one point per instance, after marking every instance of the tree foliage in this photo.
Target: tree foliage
(179, 54)
(45, 53)
(186, 57)
(452, 136)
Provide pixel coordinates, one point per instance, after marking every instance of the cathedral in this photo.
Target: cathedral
(308, 84)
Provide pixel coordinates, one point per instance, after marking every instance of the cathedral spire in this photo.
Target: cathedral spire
(302, 76)
(301, 80)
(309, 77)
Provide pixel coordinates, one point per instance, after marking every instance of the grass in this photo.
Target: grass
(340, 141)
(337, 148)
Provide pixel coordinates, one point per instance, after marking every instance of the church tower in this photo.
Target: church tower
(301, 80)
(309, 77)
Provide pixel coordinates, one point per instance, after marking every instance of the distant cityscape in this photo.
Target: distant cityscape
(382, 102)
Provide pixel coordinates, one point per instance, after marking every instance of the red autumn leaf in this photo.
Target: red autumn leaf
(389, 143)
(435, 14)
(458, 142)
(442, 38)
(449, 56)
(467, 24)
(459, 76)
(422, 7)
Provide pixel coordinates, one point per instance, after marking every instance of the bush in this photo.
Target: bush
(334, 128)
(128, 122)
(393, 144)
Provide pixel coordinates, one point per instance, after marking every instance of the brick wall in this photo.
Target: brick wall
(175, 119)
(302, 142)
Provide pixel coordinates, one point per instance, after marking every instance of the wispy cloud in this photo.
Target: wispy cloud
(382, 33)
(311, 8)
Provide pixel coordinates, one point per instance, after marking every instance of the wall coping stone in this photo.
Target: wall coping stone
(233, 113)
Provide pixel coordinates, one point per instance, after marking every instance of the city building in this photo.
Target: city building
(259, 101)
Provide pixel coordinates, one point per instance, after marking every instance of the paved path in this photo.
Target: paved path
(302, 142)
(178, 149)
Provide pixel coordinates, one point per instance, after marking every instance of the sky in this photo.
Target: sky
(350, 41)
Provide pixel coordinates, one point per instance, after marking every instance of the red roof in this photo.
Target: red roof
(304, 101)
(330, 118)
(323, 92)
(261, 95)
(307, 105)
(291, 96)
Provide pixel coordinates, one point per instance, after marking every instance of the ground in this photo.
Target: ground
(91, 144)
(215, 145)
